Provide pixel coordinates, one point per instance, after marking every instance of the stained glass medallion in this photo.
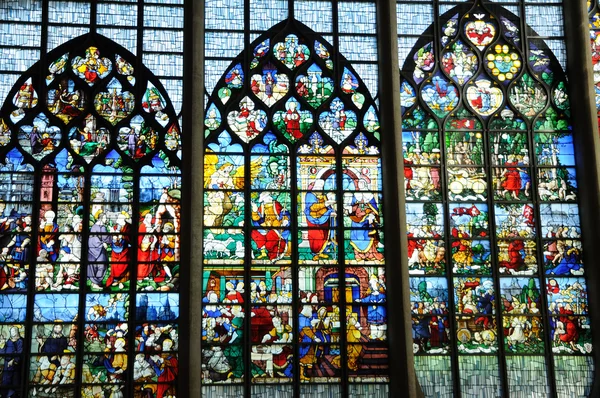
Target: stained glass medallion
(293, 204)
(493, 229)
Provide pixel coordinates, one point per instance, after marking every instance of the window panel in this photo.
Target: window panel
(284, 111)
(64, 166)
(507, 225)
(317, 15)
(163, 17)
(29, 35)
(117, 14)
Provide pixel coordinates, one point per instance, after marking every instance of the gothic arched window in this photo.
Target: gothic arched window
(498, 290)
(89, 227)
(294, 285)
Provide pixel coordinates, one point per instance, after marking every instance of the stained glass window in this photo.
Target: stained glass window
(595, 44)
(498, 291)
(294, 282)
(90, 177)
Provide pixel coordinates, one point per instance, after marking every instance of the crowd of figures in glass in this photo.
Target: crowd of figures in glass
(90, 190)
(494, 240)
(293, 243)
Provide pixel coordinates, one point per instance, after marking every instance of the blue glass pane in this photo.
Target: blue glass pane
(163, 17)
(217, 11)
(12, 34)
(68, 12)
(61, 34)
(414, 19)
(266, 13)
(314, 14)
(358, 48)
(370, 75)
(223, 44)
(164, 64)
(21, 10)
(357, 17)
(175, 90)
(18, 60)
(125, 37)
(163, 40)
(545, 20)
(116, 14)
(435, 375)
(212, 73)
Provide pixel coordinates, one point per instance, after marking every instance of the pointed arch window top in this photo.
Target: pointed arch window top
(92, 96)
(290, 82)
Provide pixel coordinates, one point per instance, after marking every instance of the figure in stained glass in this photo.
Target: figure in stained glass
(260, 51)
(270, 215)
(271, 86)
(153, 102)
(114, 104)
(460, 63)
(290, 52)
(323, 53)
(40, 138)
(320, 217)
(511, 31)
(98, 244)
(376, 314)
(139, 139)
(339, 122)
(479, 32)
(407, 96)
(25, 98)
(294, 122)
(424, 62)
(89, 141)
(528, 96)
(248, 121)
(119, 256)
(563, 257)
(11, 348)
(92, 68)
(125, 68)
(440, 95)
(57, 67)
(213, 118)
(364, 239)
(66, 102)
(484, 97)
(349, 82)
(314, 87)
